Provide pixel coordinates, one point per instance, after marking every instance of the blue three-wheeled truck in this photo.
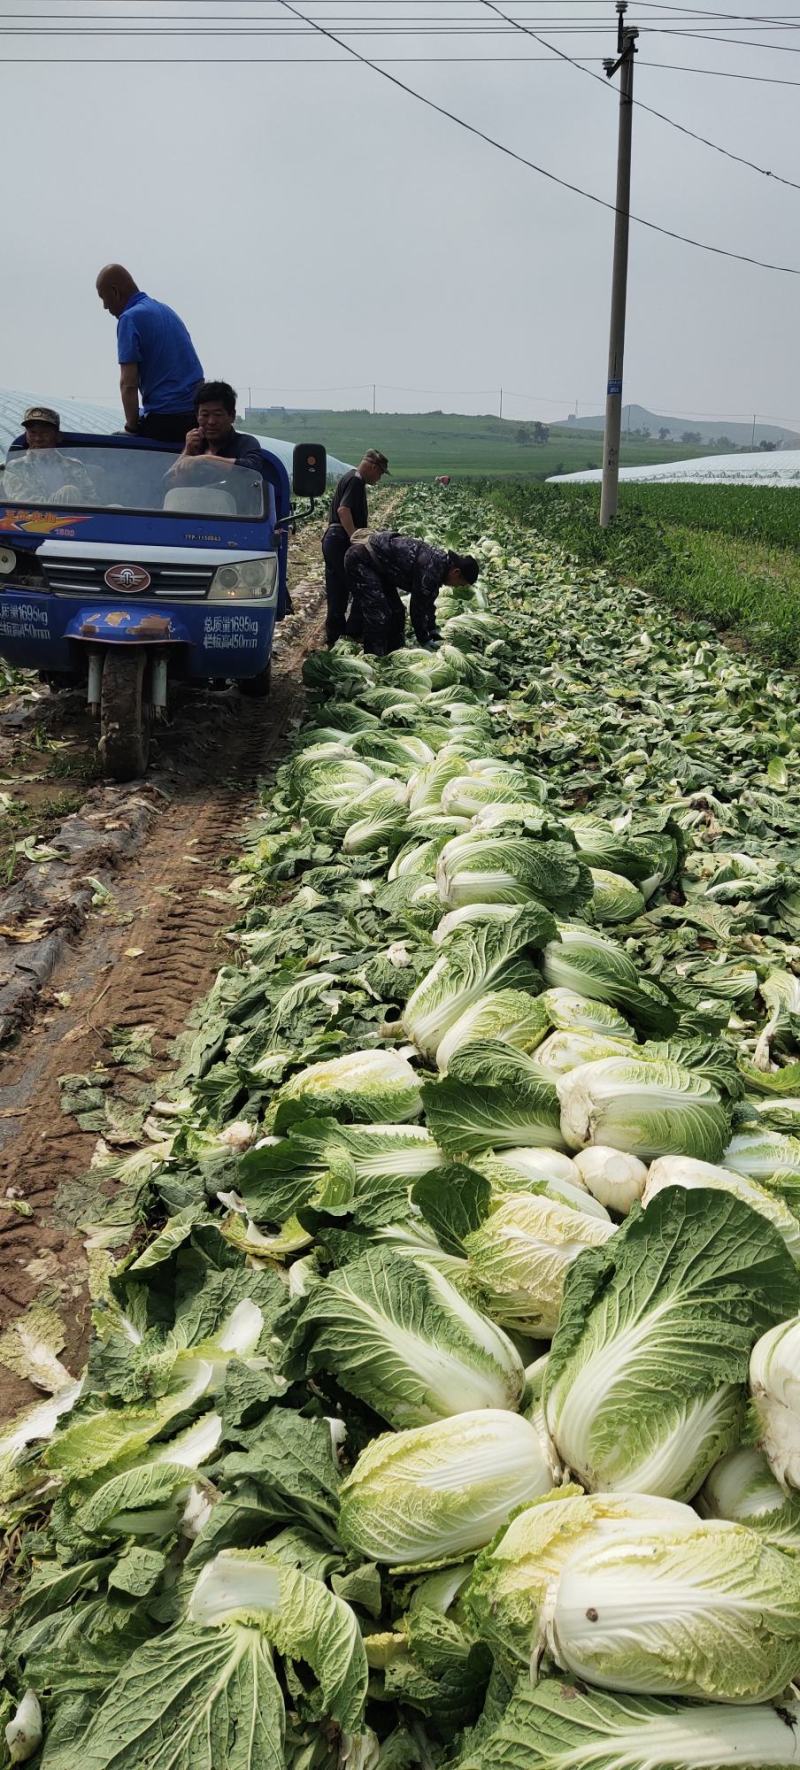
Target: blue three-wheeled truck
(129, 575)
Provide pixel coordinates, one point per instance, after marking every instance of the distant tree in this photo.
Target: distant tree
(768, 447)
(690, 436)
(524, 435)
(645, 432)
(722, 442)
(541, 433)
(663, 434)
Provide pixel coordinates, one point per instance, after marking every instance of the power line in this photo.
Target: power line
(543, 171)
(670, 67)
(329, 61)
(639, 105)
(733, 42)
(78, 25)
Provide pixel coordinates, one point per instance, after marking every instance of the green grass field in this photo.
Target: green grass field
(421, 445)
(766, 514)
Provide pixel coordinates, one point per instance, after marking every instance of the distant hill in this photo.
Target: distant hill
(421, 445)
(741, 435)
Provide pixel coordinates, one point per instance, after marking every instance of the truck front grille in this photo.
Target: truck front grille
(86, 577)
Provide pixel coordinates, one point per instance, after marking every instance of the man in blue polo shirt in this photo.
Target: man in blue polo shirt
(156, 356)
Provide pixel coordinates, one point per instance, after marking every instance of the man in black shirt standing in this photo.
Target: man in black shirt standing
(349, 511)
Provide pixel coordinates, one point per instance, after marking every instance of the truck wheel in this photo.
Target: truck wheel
(124, 732)
(256, 688)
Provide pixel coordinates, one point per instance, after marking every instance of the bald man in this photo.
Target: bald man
(156, 356)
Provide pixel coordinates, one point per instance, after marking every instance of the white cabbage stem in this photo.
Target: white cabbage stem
(24, 1730)
(615, 1179)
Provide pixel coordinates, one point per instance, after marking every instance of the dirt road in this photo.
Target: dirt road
(139, 912)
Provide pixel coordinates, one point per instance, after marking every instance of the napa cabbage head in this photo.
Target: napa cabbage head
(742, 1488)
(644, 1384)
(397, 1334)
(511, 1015)
(678, 1170)
(492, 1096)
(456, 921)
(416, 859)
(374, 1086)
(148, 1499)
(588, 963)
(558, 1725)
(427, 784)
(468, 793)
(764, 1155)
(511, 869)
(519, 1258)
(647, 1108)
(381, 815)
(441, 1491)
(326, 786)
(206, 1692)
(775, 1391)
(539, 1171)
(515, 1580)
(562, 1051)
(648, 858)
(614, 898)
(710, 1612)
(570, 1012)
(492, 955)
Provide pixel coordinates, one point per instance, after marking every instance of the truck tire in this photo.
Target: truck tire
(256, 688)
(124, 730)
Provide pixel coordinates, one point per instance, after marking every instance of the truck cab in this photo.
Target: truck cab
(119, 570)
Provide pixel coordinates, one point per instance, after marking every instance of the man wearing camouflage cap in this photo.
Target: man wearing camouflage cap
(40, 473)
(349, 511)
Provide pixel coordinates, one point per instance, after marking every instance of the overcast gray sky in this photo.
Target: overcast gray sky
(319, 230)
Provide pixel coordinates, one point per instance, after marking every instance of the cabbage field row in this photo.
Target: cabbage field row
(728, 554)
(445, 1410)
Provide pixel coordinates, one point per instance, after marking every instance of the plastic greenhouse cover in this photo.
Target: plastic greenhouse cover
(763, 468)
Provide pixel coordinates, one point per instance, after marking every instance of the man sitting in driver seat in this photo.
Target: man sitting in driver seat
(214, 440)
(39, 472)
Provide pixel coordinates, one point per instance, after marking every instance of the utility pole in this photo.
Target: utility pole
(373, 399)
(753, 437)
(501, 402)
(626, 50)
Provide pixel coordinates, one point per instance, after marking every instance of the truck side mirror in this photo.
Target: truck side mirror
(309, 470)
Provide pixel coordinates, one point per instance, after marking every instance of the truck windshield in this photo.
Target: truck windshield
(130, 479)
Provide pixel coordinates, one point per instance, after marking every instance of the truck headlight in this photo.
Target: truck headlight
(249, 580)
(8, 560)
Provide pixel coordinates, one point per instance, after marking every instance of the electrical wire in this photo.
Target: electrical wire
(543, 171)
(670, 67)
(329, 61)
(601, 80)
(732, 42)
(78, 25)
